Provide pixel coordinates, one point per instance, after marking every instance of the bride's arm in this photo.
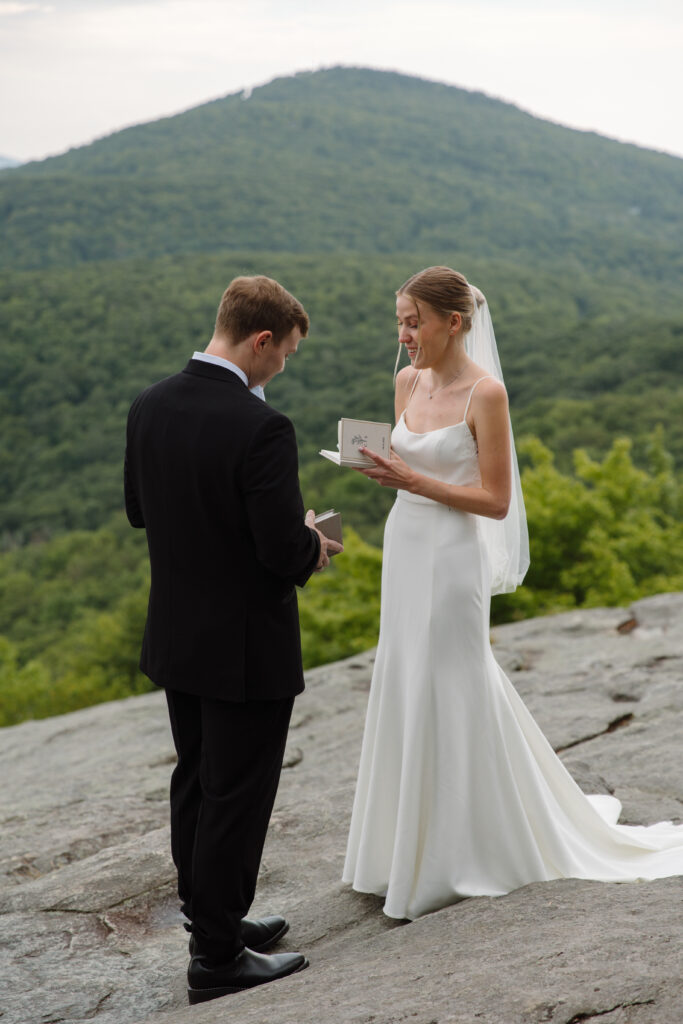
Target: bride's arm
(491, 422)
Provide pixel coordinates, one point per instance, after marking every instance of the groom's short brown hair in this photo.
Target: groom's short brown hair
(251, 304)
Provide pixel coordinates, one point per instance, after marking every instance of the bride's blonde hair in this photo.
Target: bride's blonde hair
(446, 291)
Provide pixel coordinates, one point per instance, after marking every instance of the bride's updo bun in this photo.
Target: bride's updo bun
(446, 291)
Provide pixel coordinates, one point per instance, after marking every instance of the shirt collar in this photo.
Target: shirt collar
(206, 357)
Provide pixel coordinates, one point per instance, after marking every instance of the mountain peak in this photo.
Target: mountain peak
(350, 158)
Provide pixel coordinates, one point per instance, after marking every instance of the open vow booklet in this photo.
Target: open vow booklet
(356, 434)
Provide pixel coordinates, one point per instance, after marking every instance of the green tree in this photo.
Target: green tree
(609, 535)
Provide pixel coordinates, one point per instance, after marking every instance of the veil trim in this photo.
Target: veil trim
(506, 540)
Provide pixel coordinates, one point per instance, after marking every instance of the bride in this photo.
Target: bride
(459, 793)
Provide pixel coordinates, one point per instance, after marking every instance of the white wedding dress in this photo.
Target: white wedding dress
(459, 793)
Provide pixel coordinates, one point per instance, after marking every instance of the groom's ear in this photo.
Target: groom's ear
(261, 340)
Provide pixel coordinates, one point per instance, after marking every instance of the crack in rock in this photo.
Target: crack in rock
(96, 911)
(100, 1004)
(88, 1014)
(616, 723)
(659, 661)
(592, 1014)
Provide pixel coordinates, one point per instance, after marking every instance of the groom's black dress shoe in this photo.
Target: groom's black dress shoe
(207, 980)
(257, 935)
(261, 934)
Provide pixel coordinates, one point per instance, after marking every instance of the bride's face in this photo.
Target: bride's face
(426, 336)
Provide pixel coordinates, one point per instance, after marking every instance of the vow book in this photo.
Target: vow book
(355, 434)
(330, 523)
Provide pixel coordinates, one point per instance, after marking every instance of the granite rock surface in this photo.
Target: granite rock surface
(90, 923)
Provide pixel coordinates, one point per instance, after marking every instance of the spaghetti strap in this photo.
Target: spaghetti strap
(469, 397)
(417, 377)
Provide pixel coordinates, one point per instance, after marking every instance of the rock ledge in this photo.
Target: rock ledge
(91, 929)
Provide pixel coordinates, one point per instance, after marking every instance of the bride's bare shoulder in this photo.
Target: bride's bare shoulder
(491, 388)
(405, 378)
(489, 398)
(485, 384)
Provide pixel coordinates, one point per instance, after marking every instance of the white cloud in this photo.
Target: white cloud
(8, 9)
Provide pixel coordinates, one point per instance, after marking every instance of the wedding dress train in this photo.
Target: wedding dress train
(459, 793)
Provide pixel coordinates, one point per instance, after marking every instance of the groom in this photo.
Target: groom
(211, 474)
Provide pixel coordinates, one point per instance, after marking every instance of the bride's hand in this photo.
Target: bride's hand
(393, 472)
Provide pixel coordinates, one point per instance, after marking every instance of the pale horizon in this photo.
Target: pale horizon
(78, 72)
(258, 85)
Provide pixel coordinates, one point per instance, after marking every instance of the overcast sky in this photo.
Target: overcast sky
(73, 70)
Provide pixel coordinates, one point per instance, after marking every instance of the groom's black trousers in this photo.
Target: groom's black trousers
(222, 793)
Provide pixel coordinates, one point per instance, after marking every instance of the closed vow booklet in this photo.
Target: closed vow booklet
(330, 523)
(355, 434)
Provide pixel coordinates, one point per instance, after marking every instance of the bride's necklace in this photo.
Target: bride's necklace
(441, 386)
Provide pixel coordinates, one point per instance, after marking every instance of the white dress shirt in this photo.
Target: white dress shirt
(206, 357)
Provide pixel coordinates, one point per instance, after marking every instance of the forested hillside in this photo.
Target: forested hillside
(350, 160)
(586, 358)
(340, 184)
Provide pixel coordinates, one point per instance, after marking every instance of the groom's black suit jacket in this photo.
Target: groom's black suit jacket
(211, 472)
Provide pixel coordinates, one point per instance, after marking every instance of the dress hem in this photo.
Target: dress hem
(382, 896)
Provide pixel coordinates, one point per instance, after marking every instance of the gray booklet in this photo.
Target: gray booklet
(330, 524)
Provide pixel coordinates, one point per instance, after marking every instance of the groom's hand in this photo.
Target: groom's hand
(327, 547)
